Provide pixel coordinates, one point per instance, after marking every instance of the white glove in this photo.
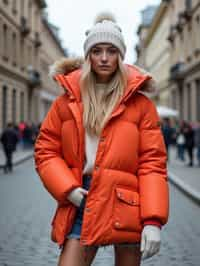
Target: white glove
(150, 243)
(76, 196)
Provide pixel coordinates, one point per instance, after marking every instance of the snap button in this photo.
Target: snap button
(117, 224)
(87, 209)
(96, 167)
(119, 195)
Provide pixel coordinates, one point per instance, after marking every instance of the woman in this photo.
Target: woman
(101, 155)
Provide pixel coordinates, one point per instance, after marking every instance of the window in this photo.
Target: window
(30, 13)
(4, 105)
(22, 7)
(188, 4)
(14, 106)
(5, 2)
(22, 54)
(189, 101)
(5, 36)
(14, 6)
(174, 99)
(14, 49)
(198, 99)
(21, 106)
(29, 52)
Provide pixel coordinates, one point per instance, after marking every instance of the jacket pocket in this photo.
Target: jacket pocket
(127, 210)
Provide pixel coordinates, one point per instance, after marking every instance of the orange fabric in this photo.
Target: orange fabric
(129, 180)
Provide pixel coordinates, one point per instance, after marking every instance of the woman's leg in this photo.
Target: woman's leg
(73, 254)
(127, 255)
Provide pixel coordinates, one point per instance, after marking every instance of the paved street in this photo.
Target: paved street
(26, 209)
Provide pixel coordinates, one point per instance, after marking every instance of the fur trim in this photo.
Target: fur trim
(64, 66)
(150, 85)
(67, 65)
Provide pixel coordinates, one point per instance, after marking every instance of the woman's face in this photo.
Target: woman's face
(104, 61)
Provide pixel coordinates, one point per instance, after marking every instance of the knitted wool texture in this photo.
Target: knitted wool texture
(105, 31)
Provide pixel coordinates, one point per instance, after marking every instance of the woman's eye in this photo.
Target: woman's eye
(112, 51)
(95, 51)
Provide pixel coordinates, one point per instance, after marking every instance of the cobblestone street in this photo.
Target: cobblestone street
(26, 210)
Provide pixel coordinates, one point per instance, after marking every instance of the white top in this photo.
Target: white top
(91, 142)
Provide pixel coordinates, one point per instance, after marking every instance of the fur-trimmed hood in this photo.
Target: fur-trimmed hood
(67, 65)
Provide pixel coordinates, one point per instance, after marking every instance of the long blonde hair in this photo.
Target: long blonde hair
(96, 114)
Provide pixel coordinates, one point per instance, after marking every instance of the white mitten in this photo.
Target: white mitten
(76, 196)
(150, 243)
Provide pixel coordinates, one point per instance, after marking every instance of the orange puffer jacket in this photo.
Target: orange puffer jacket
(129, 180)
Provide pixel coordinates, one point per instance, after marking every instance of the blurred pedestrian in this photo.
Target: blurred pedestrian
(180, 143)
(9, 141)
(34, 132)
(168, 133)
(197, 141)
(21, 128)
(189, 142)
(101, 154)
(27, 136)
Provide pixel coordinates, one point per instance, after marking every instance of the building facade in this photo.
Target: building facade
(24, 59)
(156, 53)
(184, 38)
(171, 51)
(142, 32)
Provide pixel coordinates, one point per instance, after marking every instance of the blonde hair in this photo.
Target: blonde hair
(96, 114)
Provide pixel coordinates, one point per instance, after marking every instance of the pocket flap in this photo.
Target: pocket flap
(127, 196)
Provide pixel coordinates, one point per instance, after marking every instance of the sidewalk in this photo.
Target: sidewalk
(185, 178)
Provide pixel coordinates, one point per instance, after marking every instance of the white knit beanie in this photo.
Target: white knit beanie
(105, 30)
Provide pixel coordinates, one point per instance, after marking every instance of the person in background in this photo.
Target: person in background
(180, 142)
(168, 133)
(101, 154)
(189, 142)
(197, 141)
(9, 139)
(27, 136)
(21, 128)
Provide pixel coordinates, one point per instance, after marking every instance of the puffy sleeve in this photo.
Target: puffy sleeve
(56, 176)
(152, 170)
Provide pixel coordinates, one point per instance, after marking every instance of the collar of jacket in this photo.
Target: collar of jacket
(70, 83)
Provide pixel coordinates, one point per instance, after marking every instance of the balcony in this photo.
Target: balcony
(187, 14)
(25, 30)
(177, 71)
(172, 33)
(179, 27)
(37, 40)
(34, 78)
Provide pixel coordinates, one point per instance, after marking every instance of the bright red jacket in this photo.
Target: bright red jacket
(129, 180)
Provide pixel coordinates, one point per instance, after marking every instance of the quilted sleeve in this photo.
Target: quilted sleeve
(52, 169)
(152, 171)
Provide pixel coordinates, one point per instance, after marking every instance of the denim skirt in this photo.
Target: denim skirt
(76, 228)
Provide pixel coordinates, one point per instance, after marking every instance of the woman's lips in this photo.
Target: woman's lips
(104, 67)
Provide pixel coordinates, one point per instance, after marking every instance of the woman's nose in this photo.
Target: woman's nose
(104, 56)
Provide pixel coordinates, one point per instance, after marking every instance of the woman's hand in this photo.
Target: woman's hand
(150, 243)
(76, 196)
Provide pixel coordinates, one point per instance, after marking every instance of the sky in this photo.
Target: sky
(74, 17)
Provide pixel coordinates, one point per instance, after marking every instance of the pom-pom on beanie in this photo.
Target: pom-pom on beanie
(105, 30)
